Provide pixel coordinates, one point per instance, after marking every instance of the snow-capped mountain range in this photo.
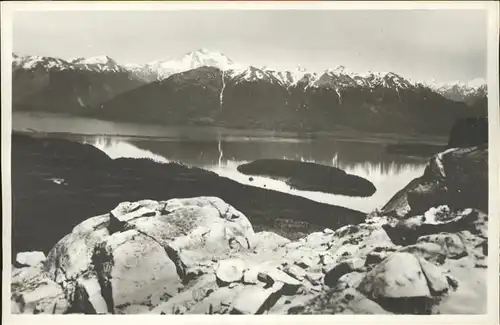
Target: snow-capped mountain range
(336, 78)
(207, 88)
(463, 91)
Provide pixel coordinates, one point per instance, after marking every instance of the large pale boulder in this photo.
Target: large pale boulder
(398, 276)
(144, 250)
(192, 229)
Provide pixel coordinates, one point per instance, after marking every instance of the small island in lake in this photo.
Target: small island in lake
(309, 176)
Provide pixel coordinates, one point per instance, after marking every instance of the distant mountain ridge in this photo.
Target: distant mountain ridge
(208, 88)
(469, 92)
(158, 70)
(74, 86)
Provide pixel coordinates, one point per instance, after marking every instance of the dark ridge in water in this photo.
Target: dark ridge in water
(57, 183)
(309, 176)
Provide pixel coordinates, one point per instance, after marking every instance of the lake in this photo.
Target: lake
(221, 150)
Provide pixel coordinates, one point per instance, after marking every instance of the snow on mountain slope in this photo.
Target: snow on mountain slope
(467, 92)
(33, 62)
(253, 74)
(163, 69)
(339, 78)
(98, 63)
(335, 79)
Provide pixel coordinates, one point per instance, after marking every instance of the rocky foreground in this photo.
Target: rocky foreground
(200, 255)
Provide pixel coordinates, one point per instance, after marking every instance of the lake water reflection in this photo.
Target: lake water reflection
(369, 160)
(222, 150)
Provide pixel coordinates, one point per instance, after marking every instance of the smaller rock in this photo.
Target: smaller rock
(266, 240)
(127, 211)
(265, 278)
(326, 259)
(15, 307)
(436, 279)
(135, 310)
(356, 303)
(88, 296)
(314, 278)
(305, 262)
(452, 281)
(374, 258)
(289, 284)
(328, 231)
(350, 280)
(296, 272)
(251, 275)
(398, 276)
(437, 215)
(356, 264)
(30, 258)
(431, 252)
(255, 300)
(334, 274)
(450, 243)
(180, 310)
(230, 270)
(40, 295)
(481, 262)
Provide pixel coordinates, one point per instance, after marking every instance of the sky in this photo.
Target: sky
(424, 45)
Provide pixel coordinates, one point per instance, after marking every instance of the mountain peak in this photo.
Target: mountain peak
(204, 57)
(99, 59)
(204, 51)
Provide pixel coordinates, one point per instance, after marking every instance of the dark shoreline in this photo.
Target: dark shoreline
(344, 134)
(92, 183)
(415, 149)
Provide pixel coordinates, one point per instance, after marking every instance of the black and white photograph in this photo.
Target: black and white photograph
(279, 160)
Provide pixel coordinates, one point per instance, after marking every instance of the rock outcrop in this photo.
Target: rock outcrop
(201, 256)
(457, 177)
